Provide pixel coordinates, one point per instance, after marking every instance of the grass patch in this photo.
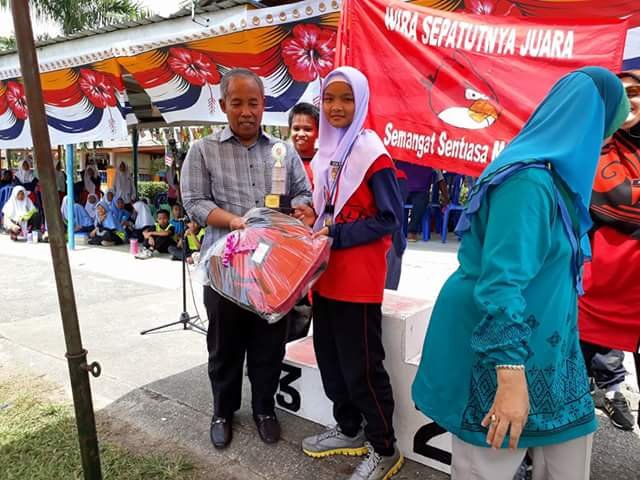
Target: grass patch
(38, 441)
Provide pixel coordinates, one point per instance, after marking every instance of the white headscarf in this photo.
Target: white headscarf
(91, 207)
(25, 176)
(15, 209)
(89, 186)
(143, 215)
(123, 184)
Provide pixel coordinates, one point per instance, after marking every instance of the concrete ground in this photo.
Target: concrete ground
(159, 383)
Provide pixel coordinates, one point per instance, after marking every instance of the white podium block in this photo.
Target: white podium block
(404, 323)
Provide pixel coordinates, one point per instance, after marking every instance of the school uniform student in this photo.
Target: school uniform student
(358, 203)
(20, 214)
(177, 221)
(26, 177)
(193, 236)
(91, 204)
(143, 220)
(106, 232)
(159, 239)
(82, 222)
(122, 216)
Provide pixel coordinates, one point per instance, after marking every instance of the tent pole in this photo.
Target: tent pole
(135, 137)
(71, 241)
(76, 354)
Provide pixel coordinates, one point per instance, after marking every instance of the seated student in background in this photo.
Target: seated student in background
(91, 204)
(19, 214)
(122, 216)
(143, 219)
(109, 197)
(82, 222)
(177, 222)
(303, 124)
(6, 179)
(159, 239)
(91, 182)
(26, 177)
(106, 231)
(194, 236)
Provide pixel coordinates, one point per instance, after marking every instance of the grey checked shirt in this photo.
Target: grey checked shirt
(220, 172)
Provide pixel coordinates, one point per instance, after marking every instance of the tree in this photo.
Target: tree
(7, 43)
(75, 15)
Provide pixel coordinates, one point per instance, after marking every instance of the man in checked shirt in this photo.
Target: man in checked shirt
(225, 175)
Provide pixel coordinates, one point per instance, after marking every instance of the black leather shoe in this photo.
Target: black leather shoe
(220, 432)
(268, 428)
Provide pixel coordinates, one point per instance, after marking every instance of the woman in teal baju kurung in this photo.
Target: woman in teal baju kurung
(501, 364)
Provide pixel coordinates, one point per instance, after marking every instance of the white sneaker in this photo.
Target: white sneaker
(144, 254)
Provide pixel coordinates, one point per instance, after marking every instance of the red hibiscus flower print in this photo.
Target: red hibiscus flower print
(490, 7)
(309, 52)
(195, 67)
(17, 100)
(98, 88)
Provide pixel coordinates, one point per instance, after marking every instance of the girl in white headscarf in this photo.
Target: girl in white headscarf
(144, 219)
(25, 176)
(19, 214)
(90, 206)
(123, 184)
(91, 185)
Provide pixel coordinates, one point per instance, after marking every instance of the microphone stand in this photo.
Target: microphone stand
(186, 320)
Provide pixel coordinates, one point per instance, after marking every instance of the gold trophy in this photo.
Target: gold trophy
(278, 199)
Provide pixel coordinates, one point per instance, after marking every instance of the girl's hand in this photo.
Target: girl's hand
(324, 232)
(510, 409)
(305, 214)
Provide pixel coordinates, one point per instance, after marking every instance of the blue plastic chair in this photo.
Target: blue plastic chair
(5, 194)
(433, 208)
(454, 185)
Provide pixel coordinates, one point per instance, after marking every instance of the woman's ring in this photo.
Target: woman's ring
(493, 418)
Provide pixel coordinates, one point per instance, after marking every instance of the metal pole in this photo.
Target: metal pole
(76, 354)
(134, 141)
(71, 240)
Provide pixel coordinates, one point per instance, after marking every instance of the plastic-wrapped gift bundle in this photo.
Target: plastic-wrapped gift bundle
(269, 265)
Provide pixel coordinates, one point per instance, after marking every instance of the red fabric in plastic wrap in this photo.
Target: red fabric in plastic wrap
(270, 265)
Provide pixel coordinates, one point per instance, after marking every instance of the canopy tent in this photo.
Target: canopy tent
(96, 84)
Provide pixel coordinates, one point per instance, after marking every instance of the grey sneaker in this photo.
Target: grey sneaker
(334, 442)
(377, 467)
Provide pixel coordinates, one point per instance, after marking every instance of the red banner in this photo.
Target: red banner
(449, 90)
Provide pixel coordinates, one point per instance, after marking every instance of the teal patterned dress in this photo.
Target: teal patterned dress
(512, 301)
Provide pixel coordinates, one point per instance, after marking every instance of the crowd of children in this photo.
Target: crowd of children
(108, 222)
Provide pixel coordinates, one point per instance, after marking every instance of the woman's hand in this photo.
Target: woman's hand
(510, 409)
(305, 214)
(324, 232)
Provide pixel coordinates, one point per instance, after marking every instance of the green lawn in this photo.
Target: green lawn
(38, 441)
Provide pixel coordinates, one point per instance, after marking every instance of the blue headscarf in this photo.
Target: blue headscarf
(80, 215)
(119, 214)
(566, 131)
(109, 223)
